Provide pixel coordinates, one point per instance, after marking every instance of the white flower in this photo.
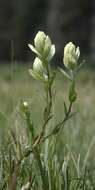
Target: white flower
(71, 55)
(43, 47)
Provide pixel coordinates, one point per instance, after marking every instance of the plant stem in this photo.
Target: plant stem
(48, 108)
(60, 124)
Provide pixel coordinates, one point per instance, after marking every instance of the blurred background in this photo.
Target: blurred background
(63, 20)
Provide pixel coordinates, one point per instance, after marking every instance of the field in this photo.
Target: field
(78, 135)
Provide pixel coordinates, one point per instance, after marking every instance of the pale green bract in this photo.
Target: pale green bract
(38, 70)
(43, 47)
(39, 41)
(38, 66)
(71, 55)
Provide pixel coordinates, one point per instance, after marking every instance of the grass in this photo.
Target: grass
(77, 141)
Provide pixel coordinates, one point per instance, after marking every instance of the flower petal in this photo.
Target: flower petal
(52, 52)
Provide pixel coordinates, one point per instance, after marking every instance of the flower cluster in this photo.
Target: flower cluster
(71, 55)
(44, 50)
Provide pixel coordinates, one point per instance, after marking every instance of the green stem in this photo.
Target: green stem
(48, 108)
(36, 152)
(30, 127)
(59, 125)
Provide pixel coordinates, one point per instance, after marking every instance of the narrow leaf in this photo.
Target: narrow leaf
(65, 74)
(65, 108)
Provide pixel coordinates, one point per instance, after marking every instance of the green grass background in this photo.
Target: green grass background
(79, 132)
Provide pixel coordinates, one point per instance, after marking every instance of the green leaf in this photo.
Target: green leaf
(65, 108)
(80, 65)
(65, 74)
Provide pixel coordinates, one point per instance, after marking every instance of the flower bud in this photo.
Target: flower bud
(25, 104)
(24, 107)
(71, 55)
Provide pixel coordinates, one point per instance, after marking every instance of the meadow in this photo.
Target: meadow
(77, 140)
